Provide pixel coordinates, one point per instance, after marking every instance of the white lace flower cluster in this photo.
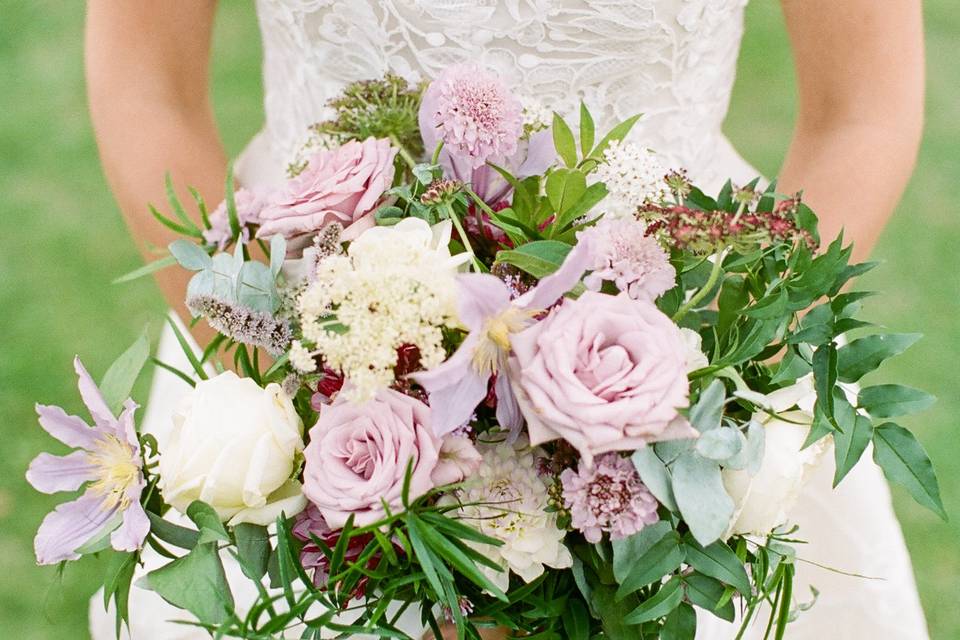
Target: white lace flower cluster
(633, 176)
(394, 287)
(536, 116)
(506, 499)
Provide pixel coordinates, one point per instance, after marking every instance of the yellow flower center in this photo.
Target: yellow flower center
(116, 470)
(495, 338)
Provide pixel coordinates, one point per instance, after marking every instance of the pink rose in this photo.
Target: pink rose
(249, 203)
(358, 455)
(339, 185)
(605, 373)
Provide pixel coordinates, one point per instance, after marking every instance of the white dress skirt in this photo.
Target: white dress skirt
(672, 60)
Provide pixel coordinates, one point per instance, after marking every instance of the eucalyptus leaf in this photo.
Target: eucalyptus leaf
(705, 415)
(720, 444)
(278, 252)
(701, 496)
(655, 475)
(189, 255)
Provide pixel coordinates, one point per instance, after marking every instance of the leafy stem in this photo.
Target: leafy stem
(409, 159)
(477, 266)
(698, 297)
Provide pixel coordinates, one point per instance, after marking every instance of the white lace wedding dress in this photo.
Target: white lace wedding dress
(674, 61)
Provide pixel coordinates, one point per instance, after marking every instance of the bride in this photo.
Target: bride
(860, 81)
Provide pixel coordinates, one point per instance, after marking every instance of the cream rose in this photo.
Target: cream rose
(233, 446)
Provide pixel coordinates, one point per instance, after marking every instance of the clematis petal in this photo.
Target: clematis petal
(70, 526)
(541, 153)
(131, 533)
(127, 427)
(92, 397)
(49, 473)
(508, 411)
(481, 296)
(550, 288)
(70, 430)
(455, 390)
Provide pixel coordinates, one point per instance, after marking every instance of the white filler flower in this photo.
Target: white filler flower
(506, 499)
(633, 176)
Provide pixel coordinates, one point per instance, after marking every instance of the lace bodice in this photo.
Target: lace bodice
(673, 60)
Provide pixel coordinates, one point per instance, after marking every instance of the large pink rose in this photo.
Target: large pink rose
(605, 373)
(358, 455)
(339, 185)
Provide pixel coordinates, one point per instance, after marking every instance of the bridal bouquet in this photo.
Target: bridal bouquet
(472, 364)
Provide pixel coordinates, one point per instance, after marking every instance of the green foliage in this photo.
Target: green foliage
(118, 381)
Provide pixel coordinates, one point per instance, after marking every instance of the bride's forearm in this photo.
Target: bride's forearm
(852, 175)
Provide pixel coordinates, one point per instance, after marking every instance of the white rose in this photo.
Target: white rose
(233, 446)
(764, 501)
(695, 358)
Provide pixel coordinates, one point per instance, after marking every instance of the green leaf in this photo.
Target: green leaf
(587, 129)
(278, 253)
(116, 585)
(208, 522)
(655, 476)
(564, 141)
(825, 374)
(539, 258)
(627, 550)
(701, 496)
(661, 604)
(707, 593)
(576, 621)
(718, 561)
(118, 381)
(171, 533)
(681, 624)
(173, 226)
(904, 462)
(147, 269)
(619, 132)
(176, 206)
(663, 558)
(253, 549)
(187, 350)
(190, 255)
(564, 188)
(850, 444)
(196, 582)
(863, 355)
(720, 444)
(587, 201)
(231, 204)
(707, 413)
(892, 400)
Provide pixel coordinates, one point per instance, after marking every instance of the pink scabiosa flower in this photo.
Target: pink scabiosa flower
(249, 204)
(608, 497)
(492, 315)
(107, 457)
(474, 114)
(624, 254)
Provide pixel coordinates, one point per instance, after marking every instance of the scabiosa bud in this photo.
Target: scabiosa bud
(440, 190)
(242, 324)
(608, 497)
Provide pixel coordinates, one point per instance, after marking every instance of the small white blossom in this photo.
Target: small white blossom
(536, 116)
(394, 287)
(633, 175)
(301, 358)
(506, 499)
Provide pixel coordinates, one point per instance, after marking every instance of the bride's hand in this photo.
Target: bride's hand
(449, 632)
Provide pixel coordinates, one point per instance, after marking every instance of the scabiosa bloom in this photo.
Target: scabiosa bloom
(475, 114)
(506, 499)
(624, 254)
(108, 457)
(633, 175)
(249, 204)
(608, 497)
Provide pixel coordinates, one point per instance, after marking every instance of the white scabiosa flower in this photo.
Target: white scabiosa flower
(394, 287)
(506, 499)
(633, 176)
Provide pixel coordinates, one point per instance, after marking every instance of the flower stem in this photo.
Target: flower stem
(477, 266)
(700, 295)
(436, 153)
(409, 159)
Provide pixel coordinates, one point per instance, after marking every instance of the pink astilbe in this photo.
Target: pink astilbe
(474, 113)
(624, 254)
(608, 497)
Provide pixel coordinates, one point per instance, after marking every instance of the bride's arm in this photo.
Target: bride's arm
(860, 74)
(147, 82)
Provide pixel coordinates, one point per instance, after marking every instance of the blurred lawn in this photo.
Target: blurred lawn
(65, 241)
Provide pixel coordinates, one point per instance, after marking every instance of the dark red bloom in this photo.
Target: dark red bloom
(329, 384)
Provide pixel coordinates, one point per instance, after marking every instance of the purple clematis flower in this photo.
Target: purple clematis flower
(485, 307)
(108, 457)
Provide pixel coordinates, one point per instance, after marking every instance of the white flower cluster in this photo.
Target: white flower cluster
(536, 116)
(633, 175)
(506, 499)
(394, 287)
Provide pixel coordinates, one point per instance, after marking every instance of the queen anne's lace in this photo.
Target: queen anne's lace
(673, 60)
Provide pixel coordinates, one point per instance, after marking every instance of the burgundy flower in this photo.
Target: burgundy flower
(310, 524)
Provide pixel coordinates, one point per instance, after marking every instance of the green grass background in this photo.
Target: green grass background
(63, 242)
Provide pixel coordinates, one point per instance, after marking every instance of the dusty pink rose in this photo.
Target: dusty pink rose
(358, 455)
(605, 373)
(249, 203)
(342, 185)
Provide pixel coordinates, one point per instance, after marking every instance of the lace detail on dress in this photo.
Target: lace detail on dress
(673, 60)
